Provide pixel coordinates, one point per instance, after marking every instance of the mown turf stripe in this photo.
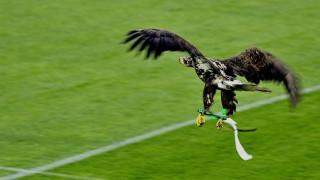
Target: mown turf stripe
(50, 174)
(148, 135)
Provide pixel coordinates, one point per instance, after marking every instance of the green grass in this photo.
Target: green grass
(285, 146)
(5, 173)
(68, 85)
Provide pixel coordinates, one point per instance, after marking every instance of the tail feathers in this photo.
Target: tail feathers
(252, 87)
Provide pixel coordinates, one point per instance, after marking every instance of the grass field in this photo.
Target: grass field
(68, 86)
(281, 149)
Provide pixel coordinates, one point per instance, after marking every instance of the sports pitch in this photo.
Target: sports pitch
(68, 87)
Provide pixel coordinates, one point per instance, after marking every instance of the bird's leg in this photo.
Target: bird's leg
(208, 93)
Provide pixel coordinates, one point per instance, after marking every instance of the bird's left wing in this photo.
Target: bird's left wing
(159, 41)
(255, 65)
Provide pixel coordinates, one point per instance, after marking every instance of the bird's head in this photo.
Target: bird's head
(187, 61)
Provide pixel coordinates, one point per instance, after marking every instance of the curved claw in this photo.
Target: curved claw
(219, 124)
(200, 120)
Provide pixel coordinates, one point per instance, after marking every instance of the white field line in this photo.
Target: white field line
(142, 137)
(50, 174)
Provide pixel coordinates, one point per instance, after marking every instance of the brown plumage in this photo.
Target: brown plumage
(159, 41)
(253, 64)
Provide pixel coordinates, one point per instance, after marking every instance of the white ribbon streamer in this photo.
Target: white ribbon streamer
(242, 153)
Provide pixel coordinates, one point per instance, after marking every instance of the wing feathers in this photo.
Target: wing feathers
(144, 45)
(131, 37)
(159, 41)
(291, 83)
(136, 43)
(255, 65)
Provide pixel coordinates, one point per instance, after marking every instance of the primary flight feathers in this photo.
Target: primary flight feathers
(158, 41)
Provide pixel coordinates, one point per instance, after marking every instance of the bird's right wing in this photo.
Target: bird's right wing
(159, 41)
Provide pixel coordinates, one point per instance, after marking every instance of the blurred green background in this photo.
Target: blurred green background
(68, 86)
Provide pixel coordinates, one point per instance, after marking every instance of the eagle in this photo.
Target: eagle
(253, 63)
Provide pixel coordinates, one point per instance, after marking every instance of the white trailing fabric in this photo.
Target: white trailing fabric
(242, 153)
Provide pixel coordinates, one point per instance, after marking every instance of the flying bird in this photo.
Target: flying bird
(253, 63)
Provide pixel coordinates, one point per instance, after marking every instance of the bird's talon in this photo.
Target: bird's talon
(200, 120)
(219, 124)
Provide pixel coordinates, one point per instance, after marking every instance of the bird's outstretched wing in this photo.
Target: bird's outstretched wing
(255, 65)
(159, 41)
